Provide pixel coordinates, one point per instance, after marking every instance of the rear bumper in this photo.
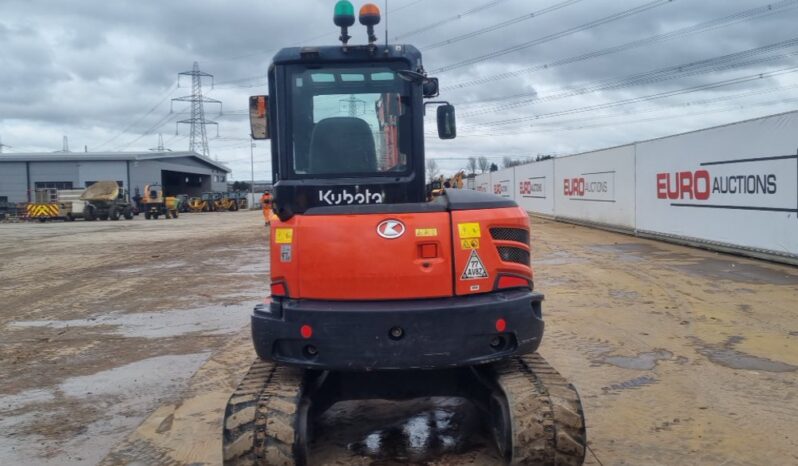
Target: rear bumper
(435, 333)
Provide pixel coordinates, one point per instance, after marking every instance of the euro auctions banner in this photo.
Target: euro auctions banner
(534, 185)
(503, 183)
(597, 187)
(734, 184)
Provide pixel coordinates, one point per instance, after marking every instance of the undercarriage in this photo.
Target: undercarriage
(533, 414)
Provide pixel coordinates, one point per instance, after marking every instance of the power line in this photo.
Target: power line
(557, 35)
(456, 17)
(738, 17)
(141, 118)
(165, 119)
(501, 25)
(721, 63)
(403, 7)
(647, 98)
(556, 126)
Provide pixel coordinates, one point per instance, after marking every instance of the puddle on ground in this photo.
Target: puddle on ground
(216, 320)
(413, 431)
(726, 356)
(78, 421)
(641, 362)
(739, 271)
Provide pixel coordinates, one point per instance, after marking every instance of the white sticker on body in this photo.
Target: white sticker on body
(475, 269)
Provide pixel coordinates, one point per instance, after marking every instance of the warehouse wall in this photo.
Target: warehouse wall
(731, 188)
(14, 181)
(101, 171)
(54, 171)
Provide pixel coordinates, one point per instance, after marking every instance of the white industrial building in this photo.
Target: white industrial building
(179, 172)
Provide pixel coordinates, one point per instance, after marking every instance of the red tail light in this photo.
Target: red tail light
(278, 289)
(306, 331)
(512, 281)
(501, 325)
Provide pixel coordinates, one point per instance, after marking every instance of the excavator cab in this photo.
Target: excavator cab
(376, 291)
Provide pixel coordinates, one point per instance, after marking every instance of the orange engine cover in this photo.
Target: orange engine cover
(393, 256)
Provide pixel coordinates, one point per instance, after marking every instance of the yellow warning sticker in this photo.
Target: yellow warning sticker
(469, 230)
(472, 243)
(426, 232)
(283, 235)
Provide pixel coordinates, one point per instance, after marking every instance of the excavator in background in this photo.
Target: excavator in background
(376, 291)
(154, 204)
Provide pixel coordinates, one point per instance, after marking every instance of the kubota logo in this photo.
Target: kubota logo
(391, 229)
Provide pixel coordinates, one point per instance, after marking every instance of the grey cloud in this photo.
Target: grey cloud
(90, 68)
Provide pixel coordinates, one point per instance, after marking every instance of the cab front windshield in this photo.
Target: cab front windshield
(349, 121)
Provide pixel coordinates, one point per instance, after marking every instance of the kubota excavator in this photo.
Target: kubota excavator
(376, 291)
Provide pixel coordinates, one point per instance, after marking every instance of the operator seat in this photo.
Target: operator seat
(342, 145)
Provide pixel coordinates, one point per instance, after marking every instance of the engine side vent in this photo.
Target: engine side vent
(510, 234)
(511, 254)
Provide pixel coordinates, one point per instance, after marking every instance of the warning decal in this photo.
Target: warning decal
(475, 269)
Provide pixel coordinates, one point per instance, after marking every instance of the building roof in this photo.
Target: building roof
(106, 156)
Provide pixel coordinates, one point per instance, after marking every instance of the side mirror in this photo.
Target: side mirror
(259, 116)
(447, 125)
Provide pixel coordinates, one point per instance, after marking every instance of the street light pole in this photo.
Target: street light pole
(252, 168)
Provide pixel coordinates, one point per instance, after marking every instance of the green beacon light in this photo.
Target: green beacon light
(344, 17)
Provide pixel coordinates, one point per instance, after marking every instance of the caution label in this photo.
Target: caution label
(283, 235)
(475, 269)
(469, 243)
(426, 232)
(468, 230)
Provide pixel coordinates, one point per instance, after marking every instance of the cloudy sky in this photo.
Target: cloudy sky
(528, 77)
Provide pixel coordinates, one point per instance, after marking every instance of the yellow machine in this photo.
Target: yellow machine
(154, 204)
(440, 184)
(226, 202)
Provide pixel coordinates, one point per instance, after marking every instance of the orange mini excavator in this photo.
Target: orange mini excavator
(377, 291)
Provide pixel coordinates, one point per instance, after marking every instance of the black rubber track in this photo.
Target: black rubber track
(547, 421)
(260, 418)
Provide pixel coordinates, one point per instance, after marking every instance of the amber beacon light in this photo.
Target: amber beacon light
(370, 17)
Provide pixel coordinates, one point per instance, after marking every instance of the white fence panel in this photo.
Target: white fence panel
(534, 187)
(503, 182)
(597, 187)
(735, 184)
(482, 183)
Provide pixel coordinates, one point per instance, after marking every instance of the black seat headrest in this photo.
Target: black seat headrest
(342, 145)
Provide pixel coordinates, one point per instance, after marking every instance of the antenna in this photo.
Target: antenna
(386, 24)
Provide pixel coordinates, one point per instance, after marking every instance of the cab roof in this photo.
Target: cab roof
(352, 54)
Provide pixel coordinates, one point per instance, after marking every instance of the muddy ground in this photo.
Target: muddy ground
(121, 341)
